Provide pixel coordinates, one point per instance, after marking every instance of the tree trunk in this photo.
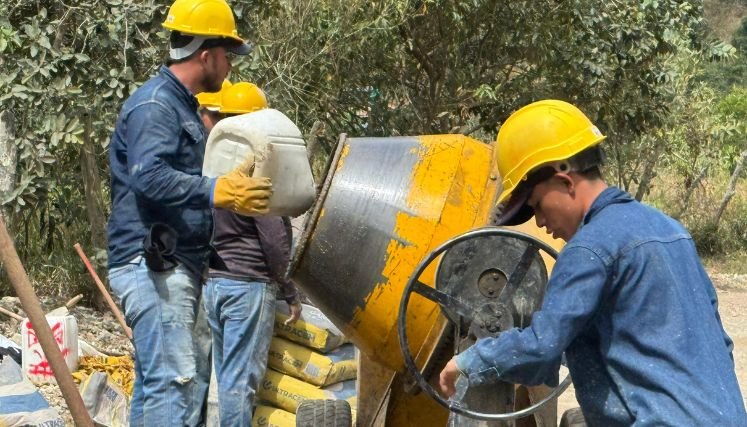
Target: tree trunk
(92, 188)
(731, 189)
(94, 205)
(690, 190)
(8, 154)
(648, 171)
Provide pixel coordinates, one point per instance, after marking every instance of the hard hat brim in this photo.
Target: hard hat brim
(516, 211)
(243, 48)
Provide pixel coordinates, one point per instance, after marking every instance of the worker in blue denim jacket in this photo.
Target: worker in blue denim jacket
(628, 302)
(160, 225)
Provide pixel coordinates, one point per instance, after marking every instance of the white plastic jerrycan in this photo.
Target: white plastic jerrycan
(279, 151)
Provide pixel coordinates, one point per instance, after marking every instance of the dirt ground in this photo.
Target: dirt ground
(732, 298)
(102, 331)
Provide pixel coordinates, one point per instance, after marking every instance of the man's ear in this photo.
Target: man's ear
(567, 181)
(203, 55)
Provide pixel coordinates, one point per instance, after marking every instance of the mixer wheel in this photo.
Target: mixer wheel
(324, 413)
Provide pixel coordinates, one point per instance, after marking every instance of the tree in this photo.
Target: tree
(363, 67)
(734, 108)
(396, 67)
(64, 71)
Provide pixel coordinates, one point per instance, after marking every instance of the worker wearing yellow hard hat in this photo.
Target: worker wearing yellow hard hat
(212, 100)
(210, 21)
(254, 253)
(160, 224)
(231, 100)
(546, 133)
(628, 303)
(242, 98)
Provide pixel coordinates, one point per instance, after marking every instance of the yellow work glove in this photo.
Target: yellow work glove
(238, 192)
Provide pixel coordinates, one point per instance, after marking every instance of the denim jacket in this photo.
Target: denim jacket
(636, 314)
(156, 156)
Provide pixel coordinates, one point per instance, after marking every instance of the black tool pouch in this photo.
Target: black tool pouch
(160, 246)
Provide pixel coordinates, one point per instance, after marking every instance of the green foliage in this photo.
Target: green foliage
(731, 73)
(732, 109)
(734, 105)
(384, 67)
(692, 137)
(696, 135)
(65, 70)
(66, 64)
(396, 67)
(730, 236)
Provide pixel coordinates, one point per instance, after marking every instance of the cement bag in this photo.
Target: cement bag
(20, 403)
(285, 392)
(345, 390)
(312, 330)
(105, 402)
(267, 416)
(310, 366)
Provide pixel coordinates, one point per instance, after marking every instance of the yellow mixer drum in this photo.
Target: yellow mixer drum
(384, 205)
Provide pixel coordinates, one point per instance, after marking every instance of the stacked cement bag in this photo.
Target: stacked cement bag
(310, 359)
(313, 330)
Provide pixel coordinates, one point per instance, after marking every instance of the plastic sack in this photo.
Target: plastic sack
(121, 370)
(105, 402)
(10, 349)
(35, 364)
(21, 404)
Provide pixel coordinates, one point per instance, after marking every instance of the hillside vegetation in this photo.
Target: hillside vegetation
(664, 79)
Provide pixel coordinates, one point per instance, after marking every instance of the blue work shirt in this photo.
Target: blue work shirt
(636, 314)
(156, 156)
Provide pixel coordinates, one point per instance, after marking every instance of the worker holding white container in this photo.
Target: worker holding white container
(251, 253)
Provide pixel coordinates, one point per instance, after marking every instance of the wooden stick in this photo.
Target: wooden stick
(102, 288)
(30, 302)
(10, 314)
(74, 300)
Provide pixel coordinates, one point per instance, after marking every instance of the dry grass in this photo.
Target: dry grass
(724, 249)
(724, 17)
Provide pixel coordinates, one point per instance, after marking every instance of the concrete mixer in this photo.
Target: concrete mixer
(398, 253)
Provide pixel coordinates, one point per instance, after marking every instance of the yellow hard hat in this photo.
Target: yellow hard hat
(212, 100)
(242, 98)
(210, 18)
(539, 134)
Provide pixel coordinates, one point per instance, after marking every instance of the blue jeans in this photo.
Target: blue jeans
(161, 308)
(241, 316)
